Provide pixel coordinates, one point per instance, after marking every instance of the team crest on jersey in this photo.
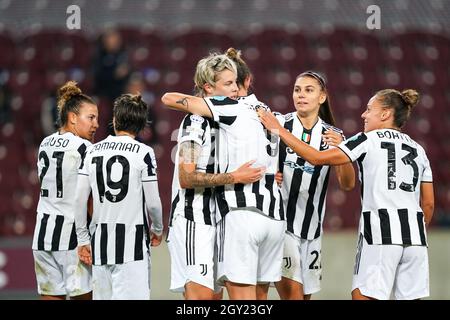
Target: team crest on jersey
(324, 145)
(204, 271)
(288, 116)
(293, 165)
(196, 118)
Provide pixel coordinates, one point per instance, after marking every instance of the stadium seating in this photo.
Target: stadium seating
(355, 63)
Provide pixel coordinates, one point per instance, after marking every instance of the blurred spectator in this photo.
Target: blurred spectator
(111, 73)
(49, 115)
(5, 104)
(136, 85)
(111, 69)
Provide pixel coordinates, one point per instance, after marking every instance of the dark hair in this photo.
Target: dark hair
(401, 102)
(243, 71)
(70, 99)
(325, 112)
(130, 113)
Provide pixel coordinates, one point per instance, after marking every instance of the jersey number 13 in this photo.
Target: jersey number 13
(407, 160)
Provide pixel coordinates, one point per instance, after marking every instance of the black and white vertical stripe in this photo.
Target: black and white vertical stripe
(359, 248)
(304, 186)
(388, 159)
(381, 227)
(117, 243)
(197, 204)
(262, 195)
(190, 243)
(54, 233)
(220, 236)
(57, 170)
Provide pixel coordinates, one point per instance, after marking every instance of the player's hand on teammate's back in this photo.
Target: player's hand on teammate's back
(84, 253)
(279, 178)
(332, 138)
(155, 240)
(247, 174)
(269, 121)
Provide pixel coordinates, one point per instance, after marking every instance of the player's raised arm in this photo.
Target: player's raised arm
(186, 103)
(345, 173)
(313, 156)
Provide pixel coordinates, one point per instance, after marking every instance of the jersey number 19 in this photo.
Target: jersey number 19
(121, 184)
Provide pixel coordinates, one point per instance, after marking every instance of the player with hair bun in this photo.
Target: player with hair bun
(397, 197)
(192, 232)
(250, 218)
(59, 272)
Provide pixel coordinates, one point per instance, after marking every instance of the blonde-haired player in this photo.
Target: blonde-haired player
(192, 232)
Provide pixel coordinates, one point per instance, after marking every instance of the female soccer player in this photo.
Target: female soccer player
(58, 269)
(304, 187)
(251, 230)
(192, 230)
(121, 173)
(397, 197)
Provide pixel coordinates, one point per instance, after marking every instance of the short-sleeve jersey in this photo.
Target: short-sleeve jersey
(196, 204)
(392, 167)
(304, 185)
(117, 167)
(242, 138)
(59, 158)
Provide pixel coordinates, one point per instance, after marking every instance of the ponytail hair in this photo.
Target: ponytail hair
(325, 112)
(243, 71)
(401, 102)
(70, 98)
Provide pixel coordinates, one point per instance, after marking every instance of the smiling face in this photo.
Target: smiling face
(375, 115)
(85, 123)
(308, 96)
(225, 85)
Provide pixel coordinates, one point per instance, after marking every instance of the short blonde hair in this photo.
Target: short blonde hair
(207, 70)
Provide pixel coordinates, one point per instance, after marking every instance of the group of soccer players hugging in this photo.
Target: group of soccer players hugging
(248, 194)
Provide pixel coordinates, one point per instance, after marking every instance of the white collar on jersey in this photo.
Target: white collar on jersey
(249, 98)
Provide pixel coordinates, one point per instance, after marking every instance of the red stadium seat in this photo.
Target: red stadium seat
(8, 49)
(355, 63)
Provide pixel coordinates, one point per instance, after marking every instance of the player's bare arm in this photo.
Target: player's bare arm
(345, 173)
(186, 103)
(427, 201)
(328, 157)
(190, 178)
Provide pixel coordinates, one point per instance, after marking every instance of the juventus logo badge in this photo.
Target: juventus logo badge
(288, 263)
(204, 269)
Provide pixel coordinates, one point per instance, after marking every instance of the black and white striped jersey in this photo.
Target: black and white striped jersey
(391, 168)
(197, 204)
(304, 185)
(59, 157)
(117, 168)
(242, 138)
